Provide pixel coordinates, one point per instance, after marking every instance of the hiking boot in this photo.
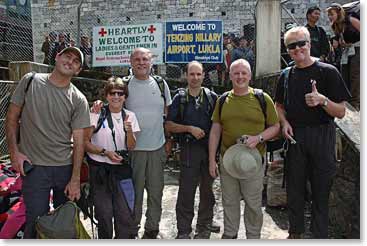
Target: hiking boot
(215, 228)
(150, 234)
(202, 234)
(295, 236)
(183, 236)
(224, 236)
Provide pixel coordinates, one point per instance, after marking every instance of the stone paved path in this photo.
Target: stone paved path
(274, 227)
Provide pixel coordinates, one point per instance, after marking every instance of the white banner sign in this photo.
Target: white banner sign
(112, 45)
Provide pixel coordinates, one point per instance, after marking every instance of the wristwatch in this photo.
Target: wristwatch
(324, 104)
(261, 139)
(103, 152)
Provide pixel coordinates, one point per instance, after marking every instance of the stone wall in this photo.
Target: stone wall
(61, 15)
(344, 214)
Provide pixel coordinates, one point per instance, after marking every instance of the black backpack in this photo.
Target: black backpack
(183, 94)
(106, 114)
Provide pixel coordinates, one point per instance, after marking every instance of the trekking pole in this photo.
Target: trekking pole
(91, 222)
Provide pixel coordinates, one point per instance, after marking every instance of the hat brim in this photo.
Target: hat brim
(253, 156)
(76, 51)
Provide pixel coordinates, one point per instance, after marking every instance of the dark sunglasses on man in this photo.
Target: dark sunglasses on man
(293, 45)
(119, 93)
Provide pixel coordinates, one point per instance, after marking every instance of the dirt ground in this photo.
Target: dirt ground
(275, 219)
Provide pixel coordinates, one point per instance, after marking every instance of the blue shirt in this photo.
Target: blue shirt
(196, 111)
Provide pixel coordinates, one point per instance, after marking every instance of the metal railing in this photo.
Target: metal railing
(6, 89)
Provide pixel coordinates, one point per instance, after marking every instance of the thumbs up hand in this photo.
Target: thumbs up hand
(314, 98)
(314, 88)
(127, 124)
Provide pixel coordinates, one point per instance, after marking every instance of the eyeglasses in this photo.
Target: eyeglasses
(300, 44)
(119, 93)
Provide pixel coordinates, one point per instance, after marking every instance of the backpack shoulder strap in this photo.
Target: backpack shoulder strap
(259, 94)
(101, 118)
(161, 86)
(182, 93)
(209, 97)
(123, 117)
(123, 114)
(110, 125)
(286, 72)
(222, 99)
(29, 82)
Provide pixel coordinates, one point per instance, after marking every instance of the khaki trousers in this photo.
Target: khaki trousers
(233, 190)
(148, 167)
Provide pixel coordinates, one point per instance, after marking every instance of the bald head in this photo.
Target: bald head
(141, 63)
(141, 51)
(238, 62)
(194, 63)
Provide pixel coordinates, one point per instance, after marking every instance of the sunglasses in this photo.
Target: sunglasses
(300, 44)
(119, 93)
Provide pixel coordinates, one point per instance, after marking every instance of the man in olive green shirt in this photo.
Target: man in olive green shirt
(241, 115)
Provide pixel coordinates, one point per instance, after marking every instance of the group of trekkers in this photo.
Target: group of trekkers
(131, 135)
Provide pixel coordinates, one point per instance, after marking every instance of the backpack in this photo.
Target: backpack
(259, 94)
(15, 221)
(271, 145)
(158, 79)
(106, 114)
(183, 94)
(352, 8)
(8, 178)
(61, 223)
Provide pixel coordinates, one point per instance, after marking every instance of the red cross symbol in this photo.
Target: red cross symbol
(102, 32)
(151, 29)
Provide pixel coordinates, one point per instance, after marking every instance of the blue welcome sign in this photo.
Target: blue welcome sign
(194, 40)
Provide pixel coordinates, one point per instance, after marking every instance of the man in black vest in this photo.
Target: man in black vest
(320, 46)
(190, 117)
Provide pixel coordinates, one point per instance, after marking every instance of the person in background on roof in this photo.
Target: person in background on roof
(190, 117)
(104, 148)
(335, 54)
(54, 116)
(58, 46)
(314, 95)
(346, 27)
(320, 45)
(150, 104)
(241, 115)
(86, 48)
(248, 53)
(46, 49)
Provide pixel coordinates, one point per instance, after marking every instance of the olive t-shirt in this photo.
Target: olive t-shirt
(242, 115)
(49, 116)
